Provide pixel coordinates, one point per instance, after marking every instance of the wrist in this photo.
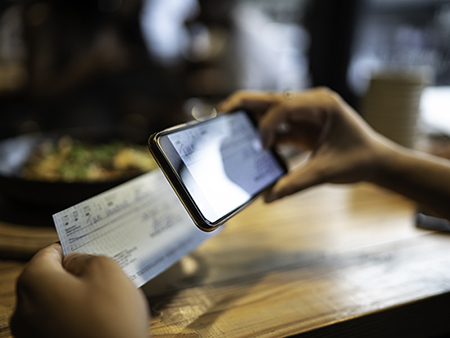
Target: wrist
(387, 162)
(418, 176)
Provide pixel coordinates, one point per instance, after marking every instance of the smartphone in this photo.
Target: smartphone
(216, 166)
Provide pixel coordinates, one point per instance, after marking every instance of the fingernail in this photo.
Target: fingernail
(71, 255)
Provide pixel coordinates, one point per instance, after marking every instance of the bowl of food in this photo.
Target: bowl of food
(63, 168)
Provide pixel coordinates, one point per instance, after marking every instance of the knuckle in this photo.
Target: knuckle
(332, 101)
(240, 95)
(326, 91)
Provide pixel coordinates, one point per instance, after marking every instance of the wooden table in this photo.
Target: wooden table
(335, 260)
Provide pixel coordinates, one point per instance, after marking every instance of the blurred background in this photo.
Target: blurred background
(149, 64)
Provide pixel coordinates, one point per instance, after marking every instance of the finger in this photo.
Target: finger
(305, 137)
(304, 177)
(48, 258)
(292, 116)
(249, 100)
(77, 262)
(52, 253)
(41, 273)
(271, 124)
(92, 266)
(44, 267)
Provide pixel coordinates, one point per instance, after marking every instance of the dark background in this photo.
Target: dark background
(144, 64)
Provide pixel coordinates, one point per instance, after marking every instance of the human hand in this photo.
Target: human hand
(78, 295)
(344, 148)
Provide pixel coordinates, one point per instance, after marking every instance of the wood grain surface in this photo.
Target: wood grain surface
(343, 261)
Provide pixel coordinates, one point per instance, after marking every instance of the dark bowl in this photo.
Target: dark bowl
(14, 153)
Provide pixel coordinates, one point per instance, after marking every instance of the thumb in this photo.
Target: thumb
(77, 263)
(94, 267)
(301, 178)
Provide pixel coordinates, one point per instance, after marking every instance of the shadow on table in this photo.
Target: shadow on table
(198, 291)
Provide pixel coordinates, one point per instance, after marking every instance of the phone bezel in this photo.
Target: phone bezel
(179, 187)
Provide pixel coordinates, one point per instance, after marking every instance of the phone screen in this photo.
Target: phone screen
(221, 163)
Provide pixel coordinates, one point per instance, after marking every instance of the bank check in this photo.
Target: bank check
(141, 224)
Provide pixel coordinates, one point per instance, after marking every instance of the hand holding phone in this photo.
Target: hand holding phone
(216, 166)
